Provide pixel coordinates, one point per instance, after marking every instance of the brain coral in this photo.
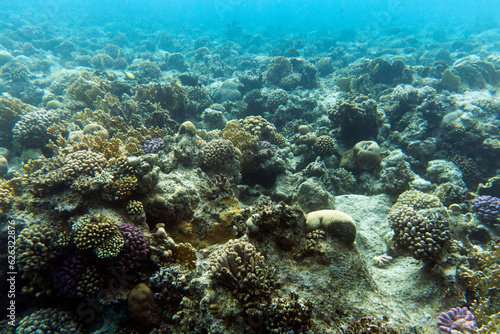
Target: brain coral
(99, 234)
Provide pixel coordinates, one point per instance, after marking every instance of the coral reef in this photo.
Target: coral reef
(199, 175)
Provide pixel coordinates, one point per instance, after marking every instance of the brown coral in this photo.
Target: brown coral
(260, 127)
(424, 238)
(239, 265)
(325, 145)
(217, 152)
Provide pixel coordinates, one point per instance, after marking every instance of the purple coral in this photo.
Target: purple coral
(135, 249)
(487, 208)
(265, 145)
(68, 276)
(153, 145)
(456, 321)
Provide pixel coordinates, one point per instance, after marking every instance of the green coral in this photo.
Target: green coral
(99, 234)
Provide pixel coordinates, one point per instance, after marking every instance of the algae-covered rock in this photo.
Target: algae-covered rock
(450, 81)
(312, 196)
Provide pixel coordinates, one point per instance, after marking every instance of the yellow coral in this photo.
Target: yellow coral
(241, 138)
(418, 200)
(99, 234)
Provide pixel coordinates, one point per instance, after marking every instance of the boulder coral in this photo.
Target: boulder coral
(367, 154)
(141, 304)
(335, 222)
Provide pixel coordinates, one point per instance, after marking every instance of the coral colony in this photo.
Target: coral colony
(457, 321)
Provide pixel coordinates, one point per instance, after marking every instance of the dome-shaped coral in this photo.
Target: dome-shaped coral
(325, 145)
(217, 152)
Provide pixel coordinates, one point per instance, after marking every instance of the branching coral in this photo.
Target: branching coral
(260, 127)
(487, 209)
(66, 168)
(357, 116)
(239, 136)
(31, 129)
(217, 153)
(99, 234)
(36, 246)
(479, 275)
(325, 145)
(239, 265)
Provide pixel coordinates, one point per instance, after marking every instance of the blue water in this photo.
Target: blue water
(259, 15)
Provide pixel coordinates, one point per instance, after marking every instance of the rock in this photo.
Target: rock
(450, 81)
(312, 196)
(5, 57)
(442, 171)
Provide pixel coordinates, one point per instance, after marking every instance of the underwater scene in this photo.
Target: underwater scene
(237, 166)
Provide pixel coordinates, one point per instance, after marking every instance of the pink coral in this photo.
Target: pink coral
(457, 321)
